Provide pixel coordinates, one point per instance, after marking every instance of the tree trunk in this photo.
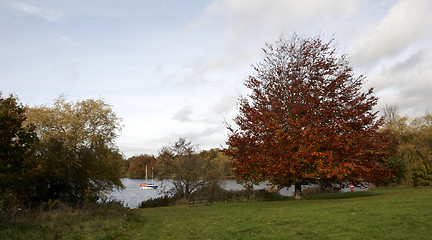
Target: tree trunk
(297, 191)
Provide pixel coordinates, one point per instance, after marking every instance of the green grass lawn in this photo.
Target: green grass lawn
(377, 214)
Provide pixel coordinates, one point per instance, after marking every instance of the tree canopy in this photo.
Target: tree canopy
(306, 119)
(16, 142)
(76, 157)
(412, 160)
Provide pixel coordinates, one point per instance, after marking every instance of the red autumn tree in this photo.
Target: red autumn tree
(306, 120)
(137, 165)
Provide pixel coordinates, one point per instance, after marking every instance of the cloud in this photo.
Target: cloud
(45, 13)
(407, 83)
(183, 115)
(209, 137)
(240, 28)
(415, 96)
(391, 39)
(397, 74)
(405, 23)
(225, 104)
(250, 23)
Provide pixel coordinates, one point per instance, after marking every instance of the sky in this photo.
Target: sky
(174, 69)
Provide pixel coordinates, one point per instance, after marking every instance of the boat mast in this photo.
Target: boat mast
(152, 175)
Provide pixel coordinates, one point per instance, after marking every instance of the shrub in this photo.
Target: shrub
(265, 195)
(10, 206)
(159, 202)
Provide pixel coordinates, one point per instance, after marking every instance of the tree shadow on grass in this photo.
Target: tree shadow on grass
(341, 195)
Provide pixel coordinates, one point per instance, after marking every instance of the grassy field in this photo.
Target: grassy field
(377, 214)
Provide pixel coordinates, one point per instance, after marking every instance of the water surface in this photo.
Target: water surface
(131, 196)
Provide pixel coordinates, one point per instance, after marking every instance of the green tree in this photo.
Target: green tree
(400, 133)
(187, 170)
(412, 162)
(422, 128)
(219, 160)
(16, 141)
(76, 157)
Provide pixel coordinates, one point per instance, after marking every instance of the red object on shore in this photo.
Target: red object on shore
(351, 187)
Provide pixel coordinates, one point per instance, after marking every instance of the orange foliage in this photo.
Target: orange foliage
(306, 120)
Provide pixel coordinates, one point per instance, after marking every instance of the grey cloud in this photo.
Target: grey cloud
(205, 133)
(225, 104)
(420, 57)
(408, 83)
(250, 28)
(416, 96)
(248, 25)
(130, 149)
(398, 74)
(211, 137)
(183, 115)
(405, 23)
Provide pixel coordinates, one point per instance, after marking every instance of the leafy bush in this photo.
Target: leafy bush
(422, 176)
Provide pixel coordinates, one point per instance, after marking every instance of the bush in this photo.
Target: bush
(212, 191)
(422, 176)
(264, 195)
(160, 202)
(10, 206)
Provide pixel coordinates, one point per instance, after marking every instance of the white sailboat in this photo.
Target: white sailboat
(148, 186)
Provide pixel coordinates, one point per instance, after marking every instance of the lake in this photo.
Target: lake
(132, 196)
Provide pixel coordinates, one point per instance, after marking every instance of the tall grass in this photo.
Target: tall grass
(91, 221)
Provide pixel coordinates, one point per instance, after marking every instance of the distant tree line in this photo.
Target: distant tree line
(134, 167)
